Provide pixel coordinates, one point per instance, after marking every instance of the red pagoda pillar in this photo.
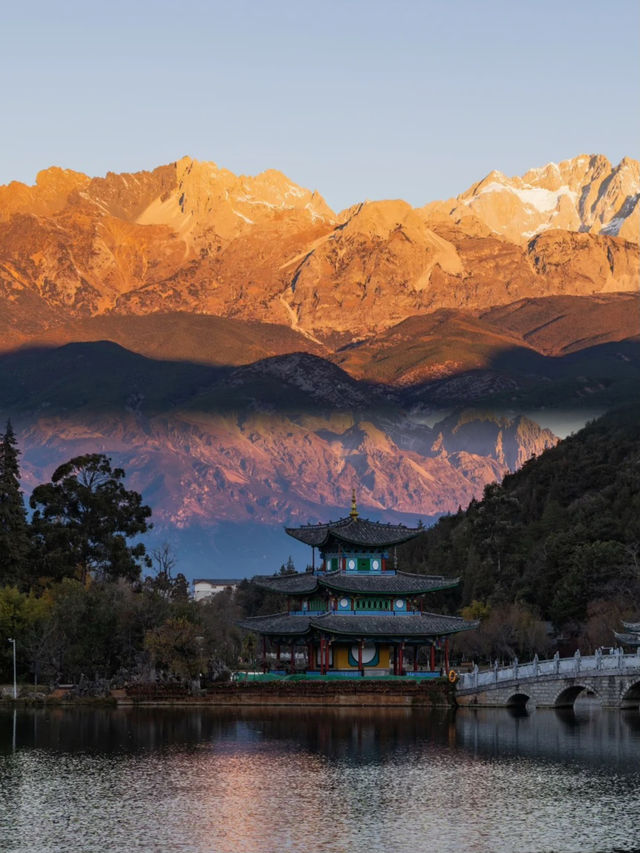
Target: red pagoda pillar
(401, 659)
(446, 655)
(432, 657)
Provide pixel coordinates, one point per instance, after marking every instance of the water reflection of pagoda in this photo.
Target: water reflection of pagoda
(355, 613)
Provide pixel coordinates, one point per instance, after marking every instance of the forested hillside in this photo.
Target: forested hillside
(560, 538)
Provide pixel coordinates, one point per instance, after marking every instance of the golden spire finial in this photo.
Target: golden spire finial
(354, 506)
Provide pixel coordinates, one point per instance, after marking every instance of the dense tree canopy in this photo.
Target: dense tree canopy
(560, 537)
(70, 587)
(83, 518)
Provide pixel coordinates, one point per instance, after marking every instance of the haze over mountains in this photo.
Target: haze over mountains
(267, 354)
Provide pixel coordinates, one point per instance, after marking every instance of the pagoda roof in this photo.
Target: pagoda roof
(389, 583)
(391, 624)
(353, 531)
(277, 623)
(628, 639)
(301, 583)
(365, 625)
(634, 627)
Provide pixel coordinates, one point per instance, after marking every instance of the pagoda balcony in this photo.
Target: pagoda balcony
(405, 610)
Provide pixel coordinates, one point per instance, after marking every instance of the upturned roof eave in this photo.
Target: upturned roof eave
(627, 639)
(274, 582)
(304, 534)
(293, 625)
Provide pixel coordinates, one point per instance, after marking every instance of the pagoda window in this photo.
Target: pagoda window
(372, 604)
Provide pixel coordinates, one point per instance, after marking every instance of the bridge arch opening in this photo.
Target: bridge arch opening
(518, 701)
(567, 697)
(631, 697)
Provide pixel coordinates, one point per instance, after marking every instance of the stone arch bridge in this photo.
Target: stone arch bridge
(614, 679)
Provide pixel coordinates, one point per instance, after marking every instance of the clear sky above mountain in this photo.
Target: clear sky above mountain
(360, 99)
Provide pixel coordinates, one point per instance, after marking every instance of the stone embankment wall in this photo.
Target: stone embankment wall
(345, 693)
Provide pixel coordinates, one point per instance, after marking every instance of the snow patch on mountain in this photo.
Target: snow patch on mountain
(540, 199)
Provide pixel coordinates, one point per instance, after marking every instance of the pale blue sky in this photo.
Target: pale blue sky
(357, 99)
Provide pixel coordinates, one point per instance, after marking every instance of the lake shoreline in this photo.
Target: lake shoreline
(363, 693)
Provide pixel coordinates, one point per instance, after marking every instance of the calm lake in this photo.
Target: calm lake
(344, 780)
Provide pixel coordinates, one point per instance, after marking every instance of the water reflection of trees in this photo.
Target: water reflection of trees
(363, 733)
(360, 735)
(110, 730)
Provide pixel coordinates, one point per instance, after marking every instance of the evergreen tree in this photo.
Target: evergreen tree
(14, 530)
(560, 537)
(82, 521)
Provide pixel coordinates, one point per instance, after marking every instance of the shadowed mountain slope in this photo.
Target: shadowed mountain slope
(283, 438)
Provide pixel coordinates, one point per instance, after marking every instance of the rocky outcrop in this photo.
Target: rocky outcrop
(282, 438)
(194, 238)
(585, 194)
(199, 468)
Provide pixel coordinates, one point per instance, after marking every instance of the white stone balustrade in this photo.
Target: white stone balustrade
(573, 666)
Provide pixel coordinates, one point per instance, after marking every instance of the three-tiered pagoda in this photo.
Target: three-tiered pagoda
(355, 613)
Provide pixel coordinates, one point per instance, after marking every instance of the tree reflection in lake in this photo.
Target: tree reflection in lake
(259, 780)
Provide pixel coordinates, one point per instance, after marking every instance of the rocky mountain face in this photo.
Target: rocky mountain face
(250, 355)
(585, 194)
(281, 439)
(194, 238)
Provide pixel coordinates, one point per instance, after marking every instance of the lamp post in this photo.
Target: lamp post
(15, 683)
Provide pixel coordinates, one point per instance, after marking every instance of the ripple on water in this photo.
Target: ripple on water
(321, 781)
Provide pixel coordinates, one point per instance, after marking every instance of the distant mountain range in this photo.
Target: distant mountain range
(250, 355)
